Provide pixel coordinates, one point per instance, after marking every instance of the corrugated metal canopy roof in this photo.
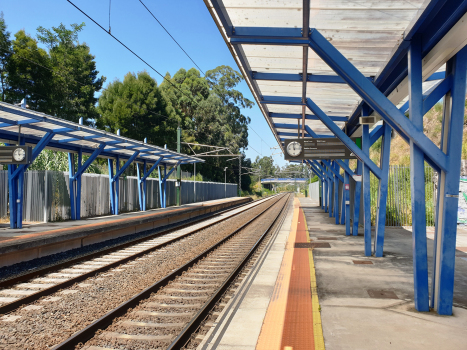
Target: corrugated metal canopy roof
(70, 137)
(367, 33)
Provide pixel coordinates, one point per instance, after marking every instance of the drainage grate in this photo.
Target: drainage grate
(327, 238)
(312, 245)
(362, 262)
(382, 294)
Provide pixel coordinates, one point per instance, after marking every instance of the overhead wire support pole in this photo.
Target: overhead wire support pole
(417, 178)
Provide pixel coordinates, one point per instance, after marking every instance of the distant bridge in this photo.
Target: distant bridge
(282, 180)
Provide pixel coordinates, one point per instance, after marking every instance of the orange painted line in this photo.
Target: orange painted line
(298, 327)
(270, 337)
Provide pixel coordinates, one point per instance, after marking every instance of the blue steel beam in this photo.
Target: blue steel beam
(333, 169)
(126, 165)
(417, 179)
(145, 175)
(366, 191)
(170, 172)
(344, 165)
(375, 98)
(89, 161)
(344, 138)
(357, 198)
(311, 78)
(376, 133)
(307, 117)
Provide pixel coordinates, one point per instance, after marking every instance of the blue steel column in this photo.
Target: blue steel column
(111, 186)
(20, 194)
(342, 218)
(117, 185)
(357, 198)
(160, 187)
(13, 190)
(453, 119)
(145, 188)
(140, 183)
(71, 181)
(336, 194)
(78, 185)
(330, 196)
(325, 194)
(417, 179)
(383, 191)
(366, 186)
(346, 200)
(165, 186)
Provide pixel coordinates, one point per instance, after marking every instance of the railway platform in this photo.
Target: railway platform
(314, 288)
(42, 239)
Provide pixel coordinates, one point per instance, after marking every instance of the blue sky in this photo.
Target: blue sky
(188, 21)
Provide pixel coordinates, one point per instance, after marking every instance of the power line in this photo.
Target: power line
(259, 136)
(172, 37)
(134, 53)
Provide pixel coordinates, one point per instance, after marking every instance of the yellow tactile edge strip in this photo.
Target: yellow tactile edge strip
(270, 337)
(317, 325)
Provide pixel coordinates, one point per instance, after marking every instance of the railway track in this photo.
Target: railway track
(167, 314)
(160, 250)
(32, 286)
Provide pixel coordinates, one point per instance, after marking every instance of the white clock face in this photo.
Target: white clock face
(294, 149)
(19, 154)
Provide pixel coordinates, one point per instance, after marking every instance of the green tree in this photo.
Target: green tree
(137, 107)
(75, 78)
(26, 79)
(210, 113)
(5, 53)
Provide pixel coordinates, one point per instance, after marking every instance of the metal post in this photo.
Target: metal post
(117, 185)
(346, 200)
(366, 186)
(325, 195)
(165, 186)
(194, 184)
(140, 183)
(78, 185)
(160, 188)
(356, 207)
(336, 195)
(71, 173)
(111, 185)
(383, 191)
(448, 191)
(145, 188)
(225, 182)
(179, 175)
(417, 179)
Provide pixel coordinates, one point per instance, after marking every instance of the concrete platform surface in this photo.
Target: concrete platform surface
(364, 303)
(37, 240)
(369, 305)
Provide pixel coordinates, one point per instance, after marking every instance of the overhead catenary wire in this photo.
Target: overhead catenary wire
(172, 37)
(130, 50)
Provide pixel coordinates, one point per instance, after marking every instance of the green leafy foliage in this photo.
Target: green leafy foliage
(137, 107)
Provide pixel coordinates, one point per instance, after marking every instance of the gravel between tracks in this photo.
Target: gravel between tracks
(228, 252)
(52, 319)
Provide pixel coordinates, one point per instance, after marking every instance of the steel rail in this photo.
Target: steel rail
(44, 292)
(89, 331)
(185, 335)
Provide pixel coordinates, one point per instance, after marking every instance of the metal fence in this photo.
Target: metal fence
(47, 196)
(399, 205)
(313, 190)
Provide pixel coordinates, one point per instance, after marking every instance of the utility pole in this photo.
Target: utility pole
(179, 175)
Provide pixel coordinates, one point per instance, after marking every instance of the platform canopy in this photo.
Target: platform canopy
(269, 41)
(71, 137)
(283, 180)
